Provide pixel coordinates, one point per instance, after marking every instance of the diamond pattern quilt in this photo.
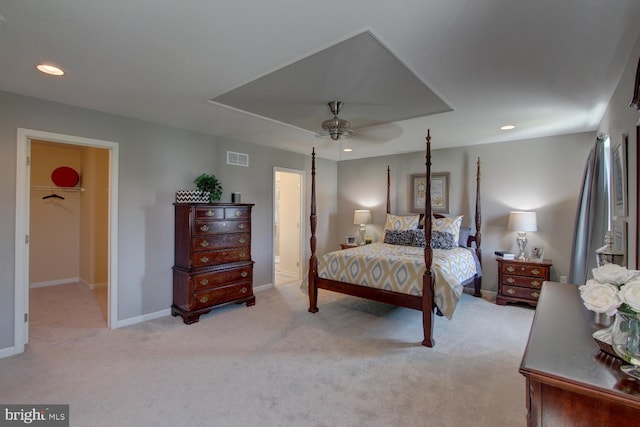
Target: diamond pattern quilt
(400, 269)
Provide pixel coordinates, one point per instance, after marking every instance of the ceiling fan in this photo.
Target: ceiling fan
(336, 127)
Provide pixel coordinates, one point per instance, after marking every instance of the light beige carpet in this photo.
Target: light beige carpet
(355, 363)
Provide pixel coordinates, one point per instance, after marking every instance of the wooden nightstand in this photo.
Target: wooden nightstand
(521, 281)
(345, 246)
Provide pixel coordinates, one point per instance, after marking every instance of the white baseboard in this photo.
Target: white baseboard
(263, 287)
(139, 319)
(54, 282)
(93, 286)
(7, 352)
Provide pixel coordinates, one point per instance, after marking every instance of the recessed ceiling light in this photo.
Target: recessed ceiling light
(50, 69)
(347, 150)
(507, 127)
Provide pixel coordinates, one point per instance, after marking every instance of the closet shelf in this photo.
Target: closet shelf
(52, 188)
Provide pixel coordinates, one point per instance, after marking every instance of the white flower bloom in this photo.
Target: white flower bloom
(601, 297)
(630, 294)
(613, 273)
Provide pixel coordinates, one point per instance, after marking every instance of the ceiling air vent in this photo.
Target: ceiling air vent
(237, 159)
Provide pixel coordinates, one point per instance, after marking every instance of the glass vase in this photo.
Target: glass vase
(626, 341)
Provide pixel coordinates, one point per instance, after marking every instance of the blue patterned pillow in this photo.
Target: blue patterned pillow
(443, 240)
(399, 237)
(439, 239)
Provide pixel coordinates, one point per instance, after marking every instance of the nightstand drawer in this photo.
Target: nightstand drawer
(526, 270)
(518, 292)
(527, 282)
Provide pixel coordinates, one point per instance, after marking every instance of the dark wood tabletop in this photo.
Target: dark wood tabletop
(562, 356)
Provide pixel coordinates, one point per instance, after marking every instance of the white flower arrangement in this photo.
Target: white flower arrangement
(612, 288)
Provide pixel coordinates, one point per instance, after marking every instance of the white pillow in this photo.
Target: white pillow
(402, 222)
(448, 225)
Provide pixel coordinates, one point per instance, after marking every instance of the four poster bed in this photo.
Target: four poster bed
(413, 276)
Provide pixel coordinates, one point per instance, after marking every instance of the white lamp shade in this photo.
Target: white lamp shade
(362, 216)
(522, 221)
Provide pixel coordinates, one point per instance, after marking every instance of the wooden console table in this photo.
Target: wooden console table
(569, 380)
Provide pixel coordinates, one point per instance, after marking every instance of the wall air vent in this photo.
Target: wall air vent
(237, 159)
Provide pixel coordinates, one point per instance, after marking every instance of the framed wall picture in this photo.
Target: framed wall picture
(619, 177)
(439, 192)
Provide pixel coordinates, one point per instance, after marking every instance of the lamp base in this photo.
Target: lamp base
(362, 233)
(522, 244)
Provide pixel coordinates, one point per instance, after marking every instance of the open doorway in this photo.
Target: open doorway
(287, 236)
(24, 199)
(68, 235)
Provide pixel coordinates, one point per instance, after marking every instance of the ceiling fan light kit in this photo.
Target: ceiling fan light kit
(336, 127)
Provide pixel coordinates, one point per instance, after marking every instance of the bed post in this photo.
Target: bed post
(478, 237)
(313, 261)
(427, 278)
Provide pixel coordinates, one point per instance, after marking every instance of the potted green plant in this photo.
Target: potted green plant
(210, 184)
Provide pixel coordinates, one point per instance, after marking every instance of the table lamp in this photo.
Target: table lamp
(362, 217)
(522, 222)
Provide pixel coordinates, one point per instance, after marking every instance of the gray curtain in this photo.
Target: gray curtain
(592, 217)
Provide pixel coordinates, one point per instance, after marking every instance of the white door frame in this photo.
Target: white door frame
(301, 173)
(21, 285)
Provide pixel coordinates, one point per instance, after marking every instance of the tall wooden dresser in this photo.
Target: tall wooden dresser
(213, 264)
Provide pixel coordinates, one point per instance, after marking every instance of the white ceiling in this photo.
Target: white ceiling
(547, 66)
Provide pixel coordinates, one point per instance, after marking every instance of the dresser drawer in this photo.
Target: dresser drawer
(527, 282)
(222, 256)
(222, 278)
(237, 212)
(208, 212)
(205, 242)
(212, 227)
(526, 270)
(221, 295)
(518, 292)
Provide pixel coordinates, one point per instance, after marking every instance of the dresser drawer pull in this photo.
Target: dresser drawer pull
(242, 240)
(210, 213)
(511, 269)
(238, 213)
(244, 290)
(242, 254)
(204, 299)
(536, 271)
(204, 282)
(244, 274)
(204, 228)
(535, 294)
(536, 283)
(204, 259)
(511, 291)
(242, 226)
(510, 280)
(204, 244)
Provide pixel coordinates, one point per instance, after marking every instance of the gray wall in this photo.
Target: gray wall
(155, 161)
(543, 175)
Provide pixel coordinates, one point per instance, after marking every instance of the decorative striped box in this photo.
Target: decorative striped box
(192, 196)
